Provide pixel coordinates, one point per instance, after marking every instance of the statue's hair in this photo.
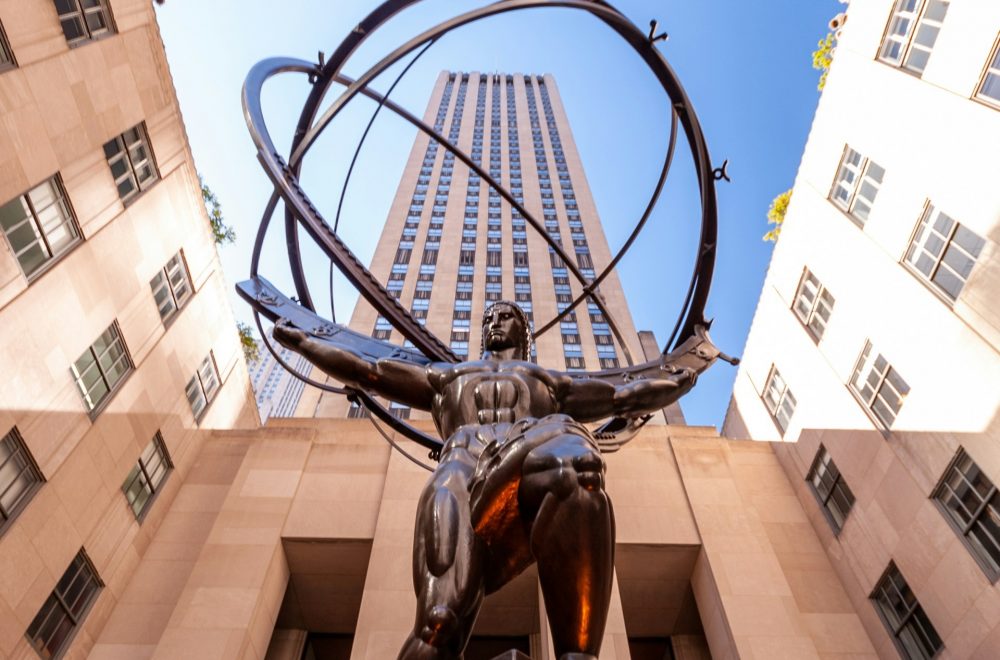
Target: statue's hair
(526, 341)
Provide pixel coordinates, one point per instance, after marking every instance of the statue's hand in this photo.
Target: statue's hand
(288, 335)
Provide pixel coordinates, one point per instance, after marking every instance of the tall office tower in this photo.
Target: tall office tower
(451, 245)
(276, 390)
(874, 351)
(117, 346)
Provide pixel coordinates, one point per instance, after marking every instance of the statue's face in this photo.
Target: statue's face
(502, 329)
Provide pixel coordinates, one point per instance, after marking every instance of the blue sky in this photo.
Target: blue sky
(745, 65)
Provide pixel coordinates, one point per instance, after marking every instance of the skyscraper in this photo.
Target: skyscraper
(451, 245)
(874, 356)
(277, 391)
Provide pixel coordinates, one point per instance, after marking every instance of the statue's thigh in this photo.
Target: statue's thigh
(538, 456)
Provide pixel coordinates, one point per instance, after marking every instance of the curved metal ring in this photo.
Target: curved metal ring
(611, 17)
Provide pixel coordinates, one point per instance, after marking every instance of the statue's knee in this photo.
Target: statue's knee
(441, 624)
(567, 464)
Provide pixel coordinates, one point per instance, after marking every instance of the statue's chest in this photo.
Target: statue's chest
(500, 397)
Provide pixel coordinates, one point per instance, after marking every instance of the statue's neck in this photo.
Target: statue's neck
(502, 355)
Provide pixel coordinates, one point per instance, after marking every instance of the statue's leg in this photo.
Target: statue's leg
(572, 534)
(447, 564)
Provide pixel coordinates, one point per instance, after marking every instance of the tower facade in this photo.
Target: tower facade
(277, 391)
(117, 343)
(452, 245)
(875, 350)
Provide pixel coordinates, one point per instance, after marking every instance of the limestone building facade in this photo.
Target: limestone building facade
(118, 345)
(873, 358)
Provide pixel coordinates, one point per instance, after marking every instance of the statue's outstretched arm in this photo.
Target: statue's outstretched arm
(593, 399)
(398, 380)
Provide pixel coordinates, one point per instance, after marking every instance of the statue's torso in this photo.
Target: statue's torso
(492, 392)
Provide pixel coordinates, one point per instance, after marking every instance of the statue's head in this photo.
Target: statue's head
(505, 326)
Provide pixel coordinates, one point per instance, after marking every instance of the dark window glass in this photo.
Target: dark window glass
(20, 478)
(39, 226)
(830, 489)
(144, 481)
(84, 20)
(101, 368)
(131, 162)
(171, 287)
(904, 618)
(969, 500)
(55, 624)
(203, 386)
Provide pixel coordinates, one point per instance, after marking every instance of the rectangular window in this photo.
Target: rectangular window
(84, 20)
(904, 618)
(971, 504)
(171, 287)
(989, 88)
(877, 385)
(857, 184)
(7, 60)
(20, 478)
(131, 161)
(778, 399)
(144, 481)
(943, 252)
(39, 226)
(830, 489)
(203, 386)
(910, 35)
(101, 368)
(53, 627)
(813, 305)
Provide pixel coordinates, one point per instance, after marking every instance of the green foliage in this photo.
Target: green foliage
(251, 350)
(221, 232)
(776, 214)
(822, 58)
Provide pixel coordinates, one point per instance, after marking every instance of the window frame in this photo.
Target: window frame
(989, 565)
(814, 307)
(20, 448)
(991, 68)
(102, 8)
(868, 406)
(923, 224)
(197, 378)
(784, 394)
(830, 467)
(862, 171)
(890, 572)
(8, 60)
(58, 603)
(124, 154)
(71, 222)
(141, 468)
(178, 303)
(112, 388)
(918, 19)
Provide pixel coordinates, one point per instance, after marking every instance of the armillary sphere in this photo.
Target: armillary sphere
(688, 344)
